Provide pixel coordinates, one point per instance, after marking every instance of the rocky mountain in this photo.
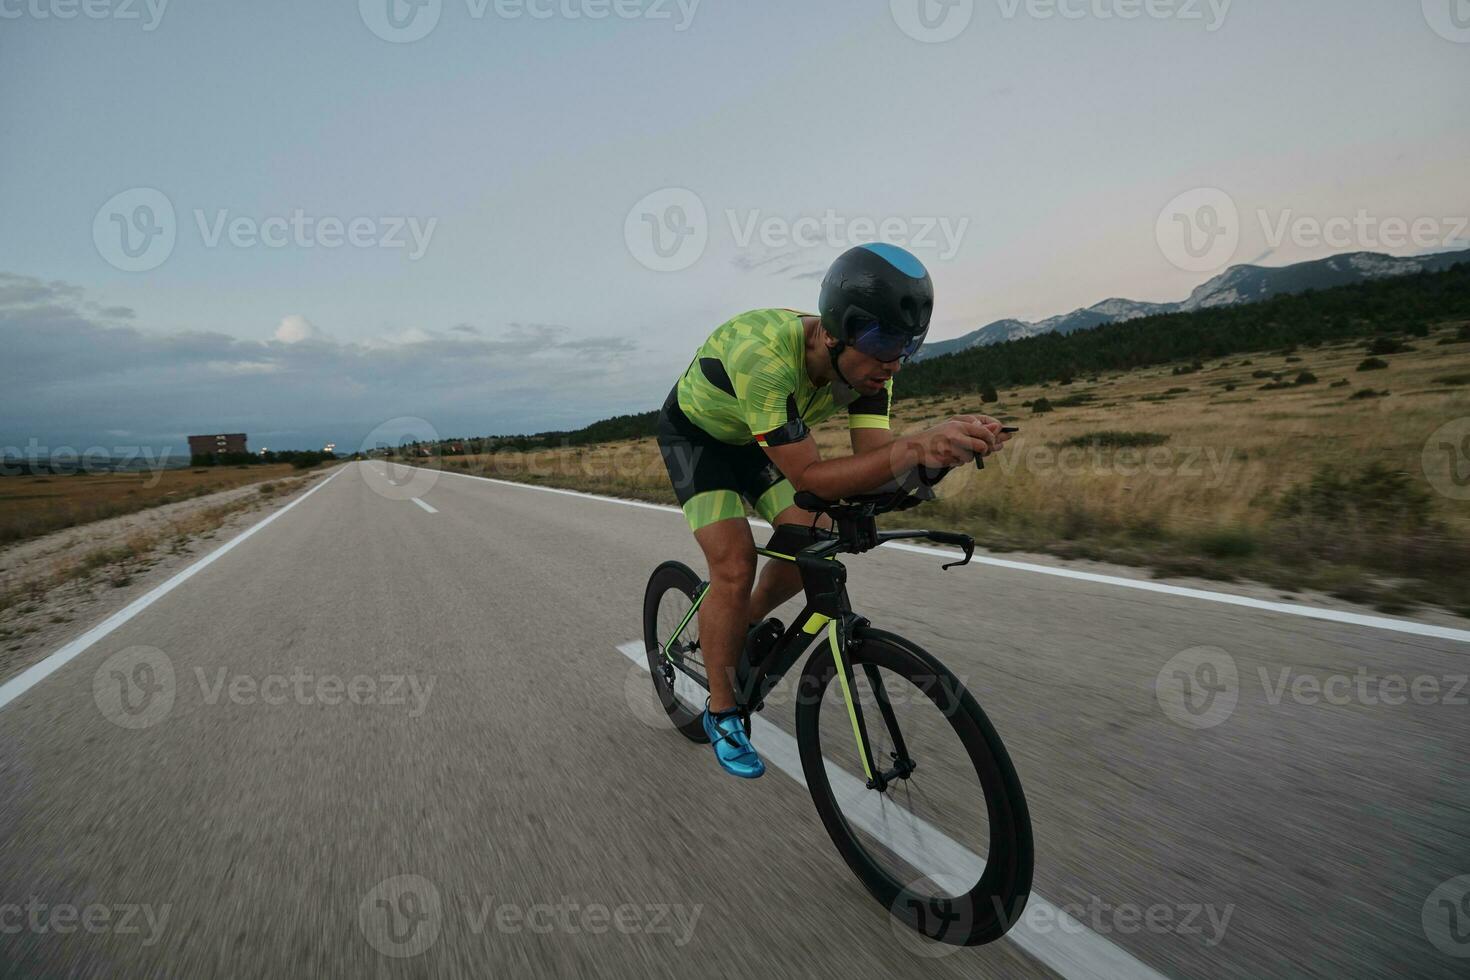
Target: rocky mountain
(1236, 286)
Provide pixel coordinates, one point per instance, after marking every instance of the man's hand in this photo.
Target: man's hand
(958, 441)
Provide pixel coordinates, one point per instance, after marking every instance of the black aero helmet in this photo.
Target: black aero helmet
(878, 298)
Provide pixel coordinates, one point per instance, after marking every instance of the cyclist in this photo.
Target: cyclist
(738, 425)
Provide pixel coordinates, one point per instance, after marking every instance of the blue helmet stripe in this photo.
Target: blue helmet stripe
(900, 259)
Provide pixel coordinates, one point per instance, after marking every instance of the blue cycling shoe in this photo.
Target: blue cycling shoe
(732, 746)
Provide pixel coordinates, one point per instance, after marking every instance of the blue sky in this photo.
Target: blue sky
(1031, 155)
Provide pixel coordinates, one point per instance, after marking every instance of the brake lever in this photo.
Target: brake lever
(1009, 429)
(954, 537)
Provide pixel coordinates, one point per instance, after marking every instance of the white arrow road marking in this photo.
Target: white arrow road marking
(1065, 945)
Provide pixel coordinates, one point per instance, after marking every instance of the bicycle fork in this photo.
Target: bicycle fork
(839, 638)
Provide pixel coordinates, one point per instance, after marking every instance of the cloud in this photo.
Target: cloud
(80, 375)
(748, 262)
(793, 264)
(295, 328)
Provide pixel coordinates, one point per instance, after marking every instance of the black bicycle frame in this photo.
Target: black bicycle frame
(828, 609)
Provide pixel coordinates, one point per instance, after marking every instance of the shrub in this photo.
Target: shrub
(1293, 360)
(1363, 393)
(1041, 406)
(1230, 387)
(1340, 383)
(988, 393)
(1306, 378)
(1228, 543)
(1074, 401)
(1177, 391)
(1464, 333)
(1375, 498)
(1454, 380)
(1263, 374)
(1114, 439)
(1388, 345)
(1372, 364)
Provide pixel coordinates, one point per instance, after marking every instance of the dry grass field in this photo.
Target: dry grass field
(34, 505)
(1240, 468)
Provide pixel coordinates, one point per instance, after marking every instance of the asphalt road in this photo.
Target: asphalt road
(383, 737)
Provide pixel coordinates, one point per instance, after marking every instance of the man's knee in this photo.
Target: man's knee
(730, 552)
(733, 569)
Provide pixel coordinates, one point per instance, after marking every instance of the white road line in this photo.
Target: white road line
(424, 506)
(1288, 609)
(1066, 945)
(1308, 612)
(34, 674)
(568, 493)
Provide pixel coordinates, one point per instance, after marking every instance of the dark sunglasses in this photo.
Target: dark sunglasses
(883, 344)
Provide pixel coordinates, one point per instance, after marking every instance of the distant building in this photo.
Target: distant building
(232, 442)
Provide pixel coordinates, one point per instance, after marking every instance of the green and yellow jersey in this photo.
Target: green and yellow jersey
(748, 383)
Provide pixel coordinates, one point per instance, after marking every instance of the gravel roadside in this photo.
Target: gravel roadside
(62, 584)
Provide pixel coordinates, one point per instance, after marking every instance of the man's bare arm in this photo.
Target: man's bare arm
(950, 444)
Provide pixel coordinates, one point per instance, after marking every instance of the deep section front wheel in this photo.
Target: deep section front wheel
(937, 827)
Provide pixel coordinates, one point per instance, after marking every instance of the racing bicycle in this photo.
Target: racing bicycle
(910, 778)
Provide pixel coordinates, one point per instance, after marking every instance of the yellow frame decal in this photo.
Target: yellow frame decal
(814, 625)
(847, 696)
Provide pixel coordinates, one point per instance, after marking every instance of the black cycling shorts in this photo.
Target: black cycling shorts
(711, 478)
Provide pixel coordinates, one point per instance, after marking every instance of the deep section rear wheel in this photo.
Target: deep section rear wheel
(945, 844)
(672, 589)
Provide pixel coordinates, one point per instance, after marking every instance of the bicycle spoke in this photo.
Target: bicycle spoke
(933, 832)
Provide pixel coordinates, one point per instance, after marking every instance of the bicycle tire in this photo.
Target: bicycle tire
(672, 585)
(986, 911)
